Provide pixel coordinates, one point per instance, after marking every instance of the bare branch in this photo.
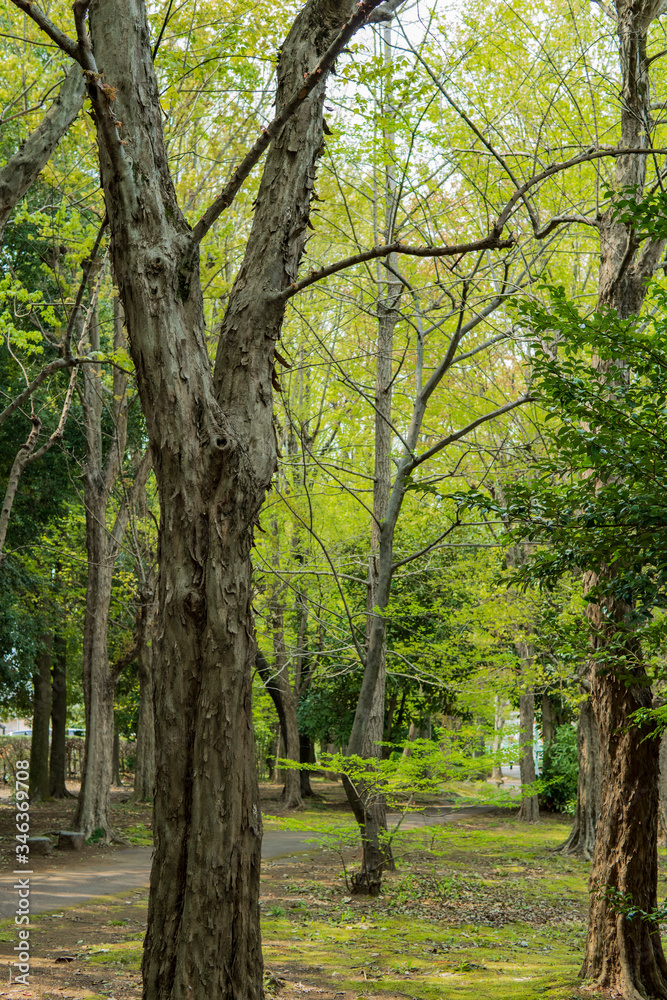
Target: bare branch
(311, 80)
(62, 40)
(490, 242)
(49, 369)
(559, 220)
(22, 169)
(457, 435)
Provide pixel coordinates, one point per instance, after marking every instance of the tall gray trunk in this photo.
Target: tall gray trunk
(92, 812)
(498, 723)
(101, 471)
(370, 810)
(58, 757)
(41, 716)
(144, 770)
(529, 810)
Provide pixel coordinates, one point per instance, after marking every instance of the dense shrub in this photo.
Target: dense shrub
(560, 771)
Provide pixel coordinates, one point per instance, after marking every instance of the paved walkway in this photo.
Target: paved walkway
(129, 868)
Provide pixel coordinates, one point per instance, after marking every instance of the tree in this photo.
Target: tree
(212, 438)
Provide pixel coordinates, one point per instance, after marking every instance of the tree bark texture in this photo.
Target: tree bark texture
(214, 451)
(582, 836)
(23, 168)
(58, 757)
(625, 955)
(41, 717)
(662, 791)
(529, 810)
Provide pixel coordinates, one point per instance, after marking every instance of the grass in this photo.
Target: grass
(480, 908)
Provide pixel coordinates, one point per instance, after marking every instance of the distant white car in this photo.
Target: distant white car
(21, 732)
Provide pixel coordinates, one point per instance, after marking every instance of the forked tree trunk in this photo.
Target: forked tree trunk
(41, 717)
(276, 682)
(214, 453)
(58, 758)
(282, 686)
(582, 836)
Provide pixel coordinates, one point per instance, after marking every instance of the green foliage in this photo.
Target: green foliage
(560, 771)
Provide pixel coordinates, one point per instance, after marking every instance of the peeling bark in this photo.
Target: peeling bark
(214, 451)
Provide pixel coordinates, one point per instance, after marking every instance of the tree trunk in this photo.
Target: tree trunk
(115, 760)
(625, 955)
(529, 810)
(92, 812)
(662, 791)
(498, 723)
(582, 837)
(370, 810)
(276, 682)
(144, 768)
(306, 756)
(213, 444)
(58, 759)
(101, 471)
(41, 716)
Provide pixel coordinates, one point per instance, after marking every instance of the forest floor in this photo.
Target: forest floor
(479, 908)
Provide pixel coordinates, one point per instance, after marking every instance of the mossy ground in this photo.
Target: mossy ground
(480, 907)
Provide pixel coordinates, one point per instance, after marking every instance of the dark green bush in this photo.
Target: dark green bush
(560, 771)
